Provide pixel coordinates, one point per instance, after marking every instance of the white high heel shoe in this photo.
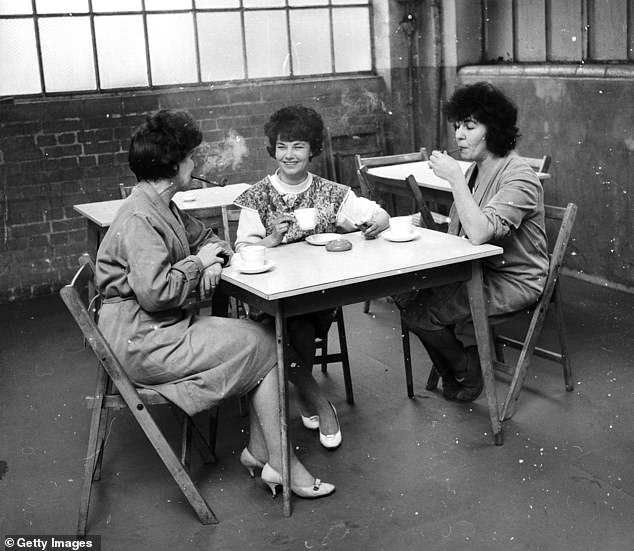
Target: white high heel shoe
(331, 441)
(250, 462)
(311, 422)
(273, 479)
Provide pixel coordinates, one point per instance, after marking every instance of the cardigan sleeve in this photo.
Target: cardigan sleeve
(518, 197)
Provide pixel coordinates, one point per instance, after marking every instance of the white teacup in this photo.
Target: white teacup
(401, 226)
(253, 256)
(306, 218)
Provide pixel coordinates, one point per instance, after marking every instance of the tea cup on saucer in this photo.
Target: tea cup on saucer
(253, 257)
(401, 226)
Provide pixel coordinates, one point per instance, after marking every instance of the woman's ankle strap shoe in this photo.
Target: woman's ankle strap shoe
(250, 462)
(273, 479)
(331, 441)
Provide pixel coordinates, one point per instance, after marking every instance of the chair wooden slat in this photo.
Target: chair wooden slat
(324, 357)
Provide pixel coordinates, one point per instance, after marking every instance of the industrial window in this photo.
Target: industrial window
(92, 45)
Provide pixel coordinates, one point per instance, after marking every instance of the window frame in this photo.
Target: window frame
(194, 11)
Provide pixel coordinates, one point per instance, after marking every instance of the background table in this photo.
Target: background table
(391, 180)
(305, 278)
(101, 214)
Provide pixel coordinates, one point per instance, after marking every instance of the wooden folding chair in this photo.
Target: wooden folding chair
(324, 357)
(550, 298)
(539, 164)
(114, 390)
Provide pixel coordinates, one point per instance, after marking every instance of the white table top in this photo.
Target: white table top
(424, 174)
(102, 213)
(420, 170)
(301, 268)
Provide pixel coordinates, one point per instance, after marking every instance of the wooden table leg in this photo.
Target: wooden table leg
(280, 332)
(483, 338)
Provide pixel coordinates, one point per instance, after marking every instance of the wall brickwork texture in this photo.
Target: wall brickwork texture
(62, 151)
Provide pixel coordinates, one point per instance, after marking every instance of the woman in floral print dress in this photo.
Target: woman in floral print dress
(295, 136)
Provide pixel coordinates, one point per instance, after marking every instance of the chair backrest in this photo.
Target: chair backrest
(366, 180)
(539, 164)
(388, 160)
(124, 190)
(564, 217)
(341, 147)
(426, 218)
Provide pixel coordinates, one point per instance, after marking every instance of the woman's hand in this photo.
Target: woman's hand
(446, 167)
(209, 280)
(280, 227)
(380, 221)
(212, 253)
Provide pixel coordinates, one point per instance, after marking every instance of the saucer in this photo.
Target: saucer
(321, 238)
(268, 264)
(399, 238)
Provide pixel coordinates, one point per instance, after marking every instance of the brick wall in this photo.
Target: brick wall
(62, 151)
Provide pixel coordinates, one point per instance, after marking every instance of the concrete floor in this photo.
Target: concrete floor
(418, 474)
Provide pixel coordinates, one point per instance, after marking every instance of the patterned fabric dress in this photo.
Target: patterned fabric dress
(324, 195)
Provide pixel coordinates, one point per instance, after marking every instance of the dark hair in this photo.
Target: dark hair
(161, 143)
(295, 123)
(489, 106)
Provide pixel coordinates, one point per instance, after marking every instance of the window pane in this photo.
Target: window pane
(15, 7)
(172, 53)
(220, 39)
(116, 5)
(120, 37)
(18, 58)
(264, 3)
(311, 50)
(352, 39)
(296, 3)
(61, 6)
(205, 4)
(67, 54)
(267, 44)
(157, 5)
(341, 2)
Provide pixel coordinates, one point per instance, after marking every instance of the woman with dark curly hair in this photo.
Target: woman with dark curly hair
(500, 201)
(295, 136)
(151, 260)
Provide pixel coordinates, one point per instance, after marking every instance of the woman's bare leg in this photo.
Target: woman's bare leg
(311, 398)
(265, 428)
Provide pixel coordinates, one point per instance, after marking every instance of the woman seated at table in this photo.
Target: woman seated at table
(498, 201)
(295, 136)
(151, 260)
